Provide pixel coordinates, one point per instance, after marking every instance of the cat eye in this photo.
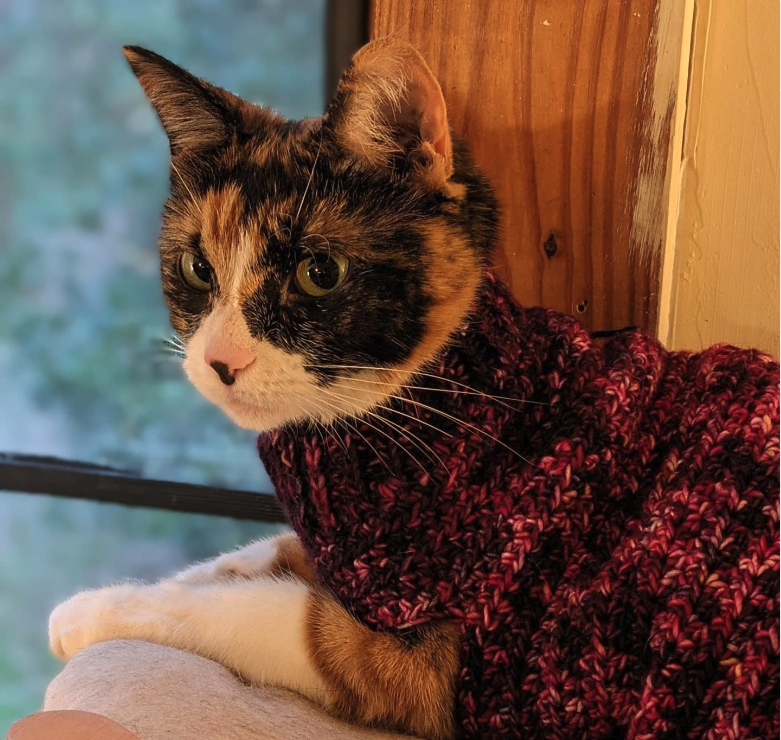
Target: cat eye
(320, 274)
(196, 272)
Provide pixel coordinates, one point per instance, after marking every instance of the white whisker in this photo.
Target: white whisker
(318, 425)
(357, 431)
(407, 434)
(311, 175)
(396, 411)
(464, 424)
(183, 181)
(385, 434)
(468, 390)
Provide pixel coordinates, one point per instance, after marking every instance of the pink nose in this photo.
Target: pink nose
(227, 360)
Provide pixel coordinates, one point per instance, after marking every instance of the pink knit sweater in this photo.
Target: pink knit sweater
(607, 543)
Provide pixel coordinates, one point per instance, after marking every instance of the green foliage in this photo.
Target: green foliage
(83, 174)
(84, 166)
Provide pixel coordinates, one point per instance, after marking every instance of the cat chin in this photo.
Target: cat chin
(258, 420)
(267, 420)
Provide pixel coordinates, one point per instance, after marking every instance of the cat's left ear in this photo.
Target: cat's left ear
(389, 109)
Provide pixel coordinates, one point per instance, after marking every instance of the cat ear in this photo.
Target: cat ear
(194, 114)
(389, 107)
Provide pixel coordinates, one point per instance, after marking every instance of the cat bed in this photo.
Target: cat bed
(160, 693)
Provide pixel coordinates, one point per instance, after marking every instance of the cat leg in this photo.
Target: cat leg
(278, 555)
(403, 683)
(284, 632)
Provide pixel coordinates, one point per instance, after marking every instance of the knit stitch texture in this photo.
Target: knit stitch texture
(619, 580)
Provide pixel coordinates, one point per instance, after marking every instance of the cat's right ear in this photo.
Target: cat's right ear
(194, 114)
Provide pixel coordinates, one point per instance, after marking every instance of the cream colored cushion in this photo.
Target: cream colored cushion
(161, 693)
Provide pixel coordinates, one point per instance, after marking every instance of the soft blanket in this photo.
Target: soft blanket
(607, 541)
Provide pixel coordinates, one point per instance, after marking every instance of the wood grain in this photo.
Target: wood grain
(556, 99)
(68, 725)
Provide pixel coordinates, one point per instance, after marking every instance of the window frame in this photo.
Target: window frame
(346, 30)
(69, 479)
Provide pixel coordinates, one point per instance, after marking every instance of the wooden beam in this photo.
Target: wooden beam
(562, 108)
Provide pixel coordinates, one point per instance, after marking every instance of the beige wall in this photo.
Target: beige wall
(723, 278)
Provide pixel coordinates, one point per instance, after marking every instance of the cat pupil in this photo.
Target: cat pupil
(202, 271)
(324, 274)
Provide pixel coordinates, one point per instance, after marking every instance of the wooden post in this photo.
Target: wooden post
(568, 108)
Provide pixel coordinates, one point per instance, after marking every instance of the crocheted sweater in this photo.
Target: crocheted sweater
(607, 542)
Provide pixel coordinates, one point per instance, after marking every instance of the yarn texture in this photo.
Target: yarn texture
(607, 541)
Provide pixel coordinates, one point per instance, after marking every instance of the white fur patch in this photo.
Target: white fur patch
(257, 627)
(275, 389)
(249, 561)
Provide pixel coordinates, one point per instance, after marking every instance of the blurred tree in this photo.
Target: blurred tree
(83, 176)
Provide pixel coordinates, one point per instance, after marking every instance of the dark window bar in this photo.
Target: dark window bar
(30, 474)
(346, 31)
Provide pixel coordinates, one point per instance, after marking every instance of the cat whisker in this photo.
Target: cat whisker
(170, 348)
(414, 439)
(311, 175)
(461, 423)
(173, 339)
(385, 434)
(468, 390)
(418, 404)
(344, 421)
(318, 425)
(349, 426)
(336, 434)
(396, 411)
(328, 244)
(465, 424)
(167, 344)
(183, 181)
(170, 339)
(499, 399)
(285, 228)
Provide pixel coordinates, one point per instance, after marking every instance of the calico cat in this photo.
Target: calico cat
(501, 529)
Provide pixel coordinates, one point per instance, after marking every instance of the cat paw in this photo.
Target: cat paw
(86, 618)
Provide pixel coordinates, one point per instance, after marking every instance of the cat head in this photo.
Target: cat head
(311, 267)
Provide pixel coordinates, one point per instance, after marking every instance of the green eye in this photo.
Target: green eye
(197, 272)
(319, 274)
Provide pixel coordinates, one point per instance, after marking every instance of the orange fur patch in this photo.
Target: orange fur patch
(453, 277)
(291, 559)
(378, 679)
(221, 229)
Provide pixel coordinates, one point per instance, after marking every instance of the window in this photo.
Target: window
(83, 373)
(50, 548)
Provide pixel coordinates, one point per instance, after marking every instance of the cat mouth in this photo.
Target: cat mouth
(255, 407)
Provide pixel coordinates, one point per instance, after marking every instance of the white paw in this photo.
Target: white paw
(86, 618)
